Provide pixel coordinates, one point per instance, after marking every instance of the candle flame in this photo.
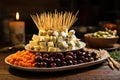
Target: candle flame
(17, 15)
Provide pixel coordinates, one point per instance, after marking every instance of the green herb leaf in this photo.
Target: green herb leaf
(115, 54)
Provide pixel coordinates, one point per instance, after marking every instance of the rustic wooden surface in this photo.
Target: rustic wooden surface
(96, 72)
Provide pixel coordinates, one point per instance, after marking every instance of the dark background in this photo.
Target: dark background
(91, 12)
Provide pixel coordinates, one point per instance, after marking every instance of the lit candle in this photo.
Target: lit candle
(17, 30)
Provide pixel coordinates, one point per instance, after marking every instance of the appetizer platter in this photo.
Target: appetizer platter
(40, 62)
(55, 47)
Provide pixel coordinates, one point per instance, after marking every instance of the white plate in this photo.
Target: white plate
(27, 47)
(77, 66)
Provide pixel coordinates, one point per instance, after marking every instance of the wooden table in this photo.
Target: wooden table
(96, 72)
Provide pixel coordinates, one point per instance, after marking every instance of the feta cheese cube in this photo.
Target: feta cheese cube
(55, 33)
(42, 38)
(53, 38)
(33, 43)
(36, 48)
(46, 38)
(71, 33)
(51, 49)
(50, 44)
(35, 37)
(62, 44)
(60, 39)
(64, 34)
(42, 44)
(71, 43)
(44, 49)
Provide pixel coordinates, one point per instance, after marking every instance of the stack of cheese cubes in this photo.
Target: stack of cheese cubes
(53, 41)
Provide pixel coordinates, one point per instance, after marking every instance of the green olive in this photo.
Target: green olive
(103, 34)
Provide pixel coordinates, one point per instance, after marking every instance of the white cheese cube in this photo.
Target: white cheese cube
(71, 43)
(60, 39)
(57, 49)
(33, 43)
(72, 37)
(46, 38)
(54, 39)
(42, 44)
(59, 44)
(50, 44)
(73, 48)
(55, 33)
(35, 37)
(64, 34)
(71, 33)
(42, 38)
(62, 44)
(36, 48)
(65, 45)
(77, 42)
(50, 38)
(51, 49)
(43, 49)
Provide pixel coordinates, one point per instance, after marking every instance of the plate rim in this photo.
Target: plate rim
(54, 69)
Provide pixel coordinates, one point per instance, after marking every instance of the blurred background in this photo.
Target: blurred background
(92, 14)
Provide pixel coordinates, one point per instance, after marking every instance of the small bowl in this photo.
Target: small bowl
(96, 42)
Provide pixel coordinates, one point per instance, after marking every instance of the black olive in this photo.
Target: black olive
(88, 55)
(38, 54)
(68, 57)
(51, 59)
(37, 64)
(46, 55)
(91, 59)
(79, 53)
(69, 62)
(43, 64)
(80, 61)
(69, 53)
(84, 53)
(45, 59)
(38, 58)
(59, 55)
(57, 60)
(75, 62)
(58, 64)
(64, 63)
(81, 57)
(86, 59)
(93, 54)
(53, 65)
(74, 56)
(52, 54)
